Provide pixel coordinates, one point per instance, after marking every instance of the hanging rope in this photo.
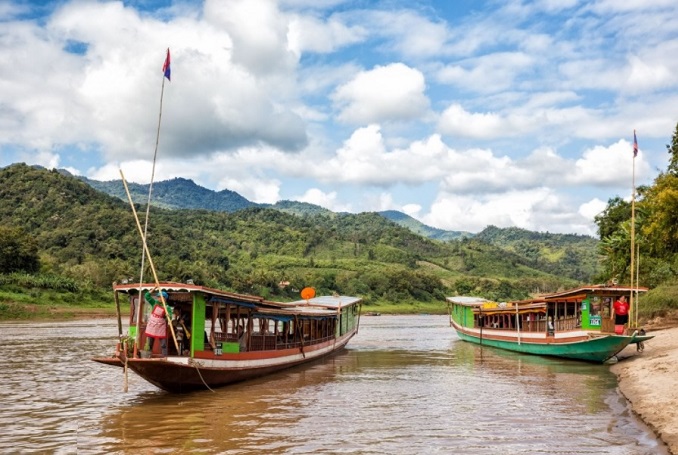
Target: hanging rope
(197, 368)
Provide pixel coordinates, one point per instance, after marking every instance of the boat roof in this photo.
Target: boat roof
(600, 289)
(490, 307)
(329, 303)
(467, 300)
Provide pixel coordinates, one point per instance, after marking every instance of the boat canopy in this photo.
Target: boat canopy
(581, 292)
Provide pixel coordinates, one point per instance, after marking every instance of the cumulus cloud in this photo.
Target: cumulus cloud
(539, 209)
(489, 73)
(328, 200)
(107, 94)
(393, 92)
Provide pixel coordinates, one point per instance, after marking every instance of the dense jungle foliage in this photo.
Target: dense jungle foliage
(56, 225)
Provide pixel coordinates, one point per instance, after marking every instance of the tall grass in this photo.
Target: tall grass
(40, 281)
(659, 301)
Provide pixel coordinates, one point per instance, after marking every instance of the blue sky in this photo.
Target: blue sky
(460, 113)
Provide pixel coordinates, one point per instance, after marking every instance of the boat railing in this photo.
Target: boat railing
(567, 323)
(539, 325)
(268, 342)
(263, 343)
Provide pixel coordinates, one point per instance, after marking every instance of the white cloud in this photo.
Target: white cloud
(456, 121)
(326, 200)
(608, 166)
(537, 209)
(310, 34)
(393, 92)
(412, 210)
(488, 73)
(592, 208)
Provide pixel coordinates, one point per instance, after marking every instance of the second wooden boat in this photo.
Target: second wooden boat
(573, 324)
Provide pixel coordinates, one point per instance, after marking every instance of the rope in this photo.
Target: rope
(125, 383)
(201, 378)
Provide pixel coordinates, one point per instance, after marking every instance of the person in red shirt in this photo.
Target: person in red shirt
(620, 311)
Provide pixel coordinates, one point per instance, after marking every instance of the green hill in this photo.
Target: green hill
(90, 237)
(568, 255)
(422, 229)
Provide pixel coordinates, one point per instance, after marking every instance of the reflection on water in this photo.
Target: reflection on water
(405, 385)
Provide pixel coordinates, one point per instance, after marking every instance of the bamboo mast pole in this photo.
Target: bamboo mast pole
(637, 280)
(633, 311)
(150, 259)
(148, 205)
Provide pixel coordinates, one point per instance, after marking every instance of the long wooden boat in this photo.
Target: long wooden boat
(228, 337)
(572, 324)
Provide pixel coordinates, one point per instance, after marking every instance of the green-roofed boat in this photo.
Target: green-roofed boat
(573, 324)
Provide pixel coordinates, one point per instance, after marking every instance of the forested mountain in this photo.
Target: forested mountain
(422, 229)
(182, 193)
(178, 193)
(84, 234)
(568, 255)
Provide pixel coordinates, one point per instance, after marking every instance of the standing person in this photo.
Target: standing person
(620, 311)
(157, 321)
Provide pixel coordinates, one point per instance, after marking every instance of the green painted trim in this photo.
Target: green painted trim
(594, 350)
(198, 323)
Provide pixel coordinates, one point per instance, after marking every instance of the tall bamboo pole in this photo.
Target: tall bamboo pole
(633, 310)
(150, 260)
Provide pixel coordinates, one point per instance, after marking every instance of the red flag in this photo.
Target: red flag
(635, 141)
(166, 66)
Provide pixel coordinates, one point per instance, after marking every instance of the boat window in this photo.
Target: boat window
(595, 306)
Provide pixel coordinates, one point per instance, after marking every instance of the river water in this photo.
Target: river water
(404, 385)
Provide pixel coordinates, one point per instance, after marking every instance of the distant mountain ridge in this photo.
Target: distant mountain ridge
(422, 229)
(181, 193)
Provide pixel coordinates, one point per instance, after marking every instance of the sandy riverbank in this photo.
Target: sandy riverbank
(649, 380)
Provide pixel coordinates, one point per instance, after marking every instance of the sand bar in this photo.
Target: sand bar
(649, 380)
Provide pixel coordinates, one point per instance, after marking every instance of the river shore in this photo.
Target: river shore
(649, 380)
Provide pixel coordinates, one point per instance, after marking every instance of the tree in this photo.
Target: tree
(18, 251)
(660, 207)
(673, 152)
(610, 220)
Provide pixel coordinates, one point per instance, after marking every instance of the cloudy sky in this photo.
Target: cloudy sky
(459, 113)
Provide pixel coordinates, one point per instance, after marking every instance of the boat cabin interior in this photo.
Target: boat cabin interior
(588, 309)
(206, 325)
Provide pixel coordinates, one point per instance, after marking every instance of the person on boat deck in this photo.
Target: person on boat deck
(620, 311)
(157, 321)
(242, 338)
(181, 330)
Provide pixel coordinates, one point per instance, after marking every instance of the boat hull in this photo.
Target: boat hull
(182, 374)
(596, 349)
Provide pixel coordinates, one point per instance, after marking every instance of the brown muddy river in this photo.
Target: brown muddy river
(405, 385)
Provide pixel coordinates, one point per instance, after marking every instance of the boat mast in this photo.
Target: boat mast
(166, 74)
(633, 311)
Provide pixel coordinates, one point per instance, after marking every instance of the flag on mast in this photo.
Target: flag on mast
(166, 67)
(635, 141)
